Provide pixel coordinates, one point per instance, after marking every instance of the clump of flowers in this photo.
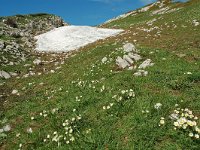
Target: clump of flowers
(78, 98)
(157, 106)
(128, 93)
(124, 95)
(68, 133)
(184, 119)
(108, 106)
(162, 121)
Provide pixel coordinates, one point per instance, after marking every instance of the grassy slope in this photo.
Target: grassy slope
(124, 126)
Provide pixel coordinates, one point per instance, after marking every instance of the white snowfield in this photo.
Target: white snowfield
(68, 38)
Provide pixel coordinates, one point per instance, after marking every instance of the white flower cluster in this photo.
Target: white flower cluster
(184, 119)
(79, 83)
(124, 94)
(45, 113)
(78, 98)
(157, 106)
(128, 93)
(108, 106)
(68, 133)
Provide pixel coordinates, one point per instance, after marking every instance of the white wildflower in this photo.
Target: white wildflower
(157, 106)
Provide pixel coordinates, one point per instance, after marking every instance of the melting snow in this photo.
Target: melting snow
(70, 38)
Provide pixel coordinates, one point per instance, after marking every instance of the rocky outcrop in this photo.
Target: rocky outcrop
(130, 60)
(17, 35)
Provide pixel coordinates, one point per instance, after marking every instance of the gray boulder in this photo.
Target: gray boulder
(129, 47)
(136, 57)
(122, 63)
(128, 59)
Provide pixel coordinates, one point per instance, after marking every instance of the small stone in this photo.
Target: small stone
(195, 23)
(7, 128)
(146, 64)
(29, 130)
(37, 62)
(141, 73)
(1, 45)
(4, 74)
(14, 92)
(13, 74)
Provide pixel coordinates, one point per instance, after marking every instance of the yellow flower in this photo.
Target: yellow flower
(196, 136)
(190, 112)
(191, 116)
(185, 126)
(197, 129)
(194, 123)
(182, 120)
(191, 134)
(162, 122)
(186, 114)
(176, 124)
(190, 123)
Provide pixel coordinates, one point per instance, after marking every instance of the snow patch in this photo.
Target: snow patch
(68, 38)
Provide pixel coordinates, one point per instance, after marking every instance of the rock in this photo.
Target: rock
(27, 65)
(136, 57)
(129, 47)
(141, 73)
(128, 59)
(146, 64)
(4, 74)
(52, 71)
(13, 74)
(104, 60)
(15, 92)
(195, 23)
(181, 55)
(7, 128)
(1, 45)
(122, 63)
(29, 130)
(130, 68)
(37, 62)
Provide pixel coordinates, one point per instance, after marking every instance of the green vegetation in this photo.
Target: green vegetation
(87, 92)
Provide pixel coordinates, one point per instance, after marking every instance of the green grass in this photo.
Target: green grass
(126, 125)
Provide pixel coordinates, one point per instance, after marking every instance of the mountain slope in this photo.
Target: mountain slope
(83, 100)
